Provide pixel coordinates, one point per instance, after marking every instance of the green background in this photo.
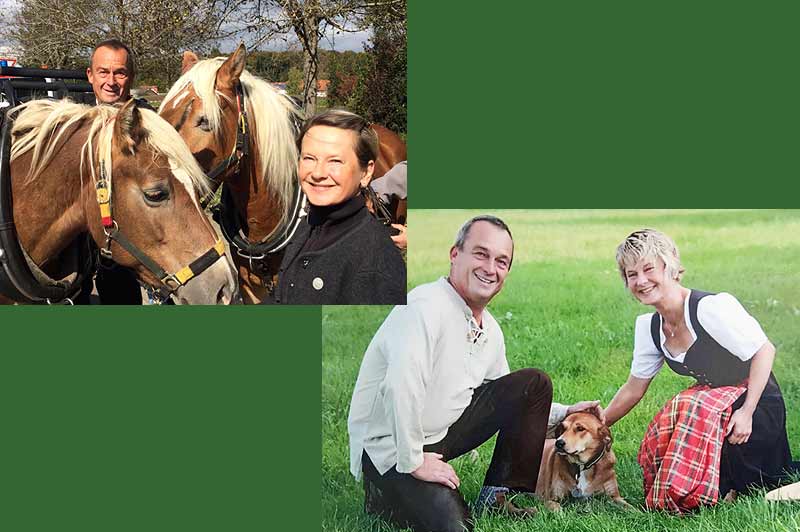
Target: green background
(603, 104)
(117, 419)
(209, 419)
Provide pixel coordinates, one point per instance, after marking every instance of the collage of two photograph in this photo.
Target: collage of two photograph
(491, 357)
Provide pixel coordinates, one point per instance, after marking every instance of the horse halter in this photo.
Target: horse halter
(170, 281)
(240, 149)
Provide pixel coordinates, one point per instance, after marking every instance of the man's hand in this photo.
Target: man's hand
(593, 407)
(434, 469)
(740, 427)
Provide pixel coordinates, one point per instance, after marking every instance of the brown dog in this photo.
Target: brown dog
(579, 462)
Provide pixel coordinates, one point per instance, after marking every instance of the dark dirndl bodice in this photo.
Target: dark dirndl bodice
(763, 460)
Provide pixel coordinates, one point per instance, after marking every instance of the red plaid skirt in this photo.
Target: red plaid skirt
(682, 448)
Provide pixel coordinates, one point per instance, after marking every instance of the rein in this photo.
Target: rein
(17, 278)
(381, 210)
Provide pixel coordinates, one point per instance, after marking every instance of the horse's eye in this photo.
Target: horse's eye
(202, 123)
(156, 195)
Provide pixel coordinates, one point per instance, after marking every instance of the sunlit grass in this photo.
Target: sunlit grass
(564, 310)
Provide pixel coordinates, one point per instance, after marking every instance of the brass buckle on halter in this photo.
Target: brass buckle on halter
(171, 282)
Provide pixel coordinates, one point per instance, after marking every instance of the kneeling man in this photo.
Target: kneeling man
(435, 384)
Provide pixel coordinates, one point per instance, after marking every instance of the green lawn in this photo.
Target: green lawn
(564, 310)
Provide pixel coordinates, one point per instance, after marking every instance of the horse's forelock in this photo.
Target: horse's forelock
(41, 124)
(201, 77)
(162, 138)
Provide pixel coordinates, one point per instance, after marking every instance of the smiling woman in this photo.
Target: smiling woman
(340, 254)
(730, 426)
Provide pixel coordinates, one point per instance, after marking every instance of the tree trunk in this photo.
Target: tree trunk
(310, 64)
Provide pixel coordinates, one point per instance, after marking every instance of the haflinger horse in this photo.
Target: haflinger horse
(242, 132)
(123, 176)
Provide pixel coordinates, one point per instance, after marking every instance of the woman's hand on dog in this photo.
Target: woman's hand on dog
(593, 407)
(434, 469)
(740, 427)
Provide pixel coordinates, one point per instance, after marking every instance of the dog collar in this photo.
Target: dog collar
(585, 467)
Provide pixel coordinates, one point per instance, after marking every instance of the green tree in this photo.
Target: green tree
(62, 34)
(381, 95)
(344, 70)
(308, 21)
(294, 85)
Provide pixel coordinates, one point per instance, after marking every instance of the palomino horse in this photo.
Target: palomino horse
(243, 133)
(126, 178)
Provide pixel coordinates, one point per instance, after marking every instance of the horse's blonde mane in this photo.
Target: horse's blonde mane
(270, 117)
(41, 124)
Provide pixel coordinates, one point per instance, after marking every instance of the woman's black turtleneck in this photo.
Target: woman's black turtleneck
(341, 255)
(331, 222)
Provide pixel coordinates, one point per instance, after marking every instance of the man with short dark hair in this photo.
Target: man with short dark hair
(111, 73)
(435, 384)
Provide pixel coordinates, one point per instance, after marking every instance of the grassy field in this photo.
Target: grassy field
(564, 310)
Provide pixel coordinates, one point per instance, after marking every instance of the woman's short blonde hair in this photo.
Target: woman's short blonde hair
(649, 244)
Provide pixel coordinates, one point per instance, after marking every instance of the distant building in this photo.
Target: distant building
(322, 88)
(280, 86)
(143, 90)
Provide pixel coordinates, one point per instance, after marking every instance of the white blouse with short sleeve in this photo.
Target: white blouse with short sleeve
(721, 315)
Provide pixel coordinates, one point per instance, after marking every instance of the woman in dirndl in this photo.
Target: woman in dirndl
(727, 432)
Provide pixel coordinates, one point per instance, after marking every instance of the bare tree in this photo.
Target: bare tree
(309, 21)
(61, 34)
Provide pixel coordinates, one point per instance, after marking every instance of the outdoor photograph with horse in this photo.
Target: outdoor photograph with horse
(243, 134)
(123, 177)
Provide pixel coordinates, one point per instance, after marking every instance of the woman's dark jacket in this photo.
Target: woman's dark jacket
(341, 256)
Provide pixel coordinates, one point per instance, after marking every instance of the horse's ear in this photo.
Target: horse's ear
(189, 60)
(230, 71)
(128, 129)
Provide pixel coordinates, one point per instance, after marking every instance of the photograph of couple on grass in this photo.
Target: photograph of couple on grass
(565, 310)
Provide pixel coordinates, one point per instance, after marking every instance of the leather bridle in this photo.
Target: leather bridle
(170, 282)
(230, 222)
(240, 150)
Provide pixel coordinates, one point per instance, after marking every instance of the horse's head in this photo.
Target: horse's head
(204, 108)
(153, 186)
(208, 105)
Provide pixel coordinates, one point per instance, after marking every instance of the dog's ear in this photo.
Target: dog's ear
(605, 434)
(560, 428)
